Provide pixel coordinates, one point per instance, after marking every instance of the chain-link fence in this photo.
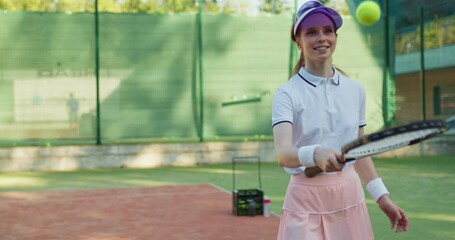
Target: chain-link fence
(91, 77)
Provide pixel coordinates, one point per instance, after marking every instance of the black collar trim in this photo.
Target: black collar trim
(336, 83)
(306, 80)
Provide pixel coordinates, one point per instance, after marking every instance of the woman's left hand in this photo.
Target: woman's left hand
(396, 215)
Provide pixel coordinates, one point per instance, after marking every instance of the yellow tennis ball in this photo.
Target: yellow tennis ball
(368, 13)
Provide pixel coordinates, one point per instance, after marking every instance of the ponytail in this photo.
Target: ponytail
(301, 62)
(341, 71)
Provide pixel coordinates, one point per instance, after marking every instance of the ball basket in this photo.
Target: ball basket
(247, 202)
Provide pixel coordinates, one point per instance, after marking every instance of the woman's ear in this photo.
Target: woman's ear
(297, 42)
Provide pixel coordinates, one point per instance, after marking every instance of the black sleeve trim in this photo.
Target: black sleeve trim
(281, 122)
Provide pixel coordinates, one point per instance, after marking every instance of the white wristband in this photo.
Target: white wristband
(376, 188)
(306, 155)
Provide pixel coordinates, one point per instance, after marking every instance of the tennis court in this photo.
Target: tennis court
(119, 118)
(422, 185)
(200, 211)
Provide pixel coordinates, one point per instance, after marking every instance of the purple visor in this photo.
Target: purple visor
(311, 7)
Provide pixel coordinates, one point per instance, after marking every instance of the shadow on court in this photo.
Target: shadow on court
(170, 212)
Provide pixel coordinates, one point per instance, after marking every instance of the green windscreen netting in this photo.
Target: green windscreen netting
(150, 85)
(45, 58)
(146, 76)
(245, 59)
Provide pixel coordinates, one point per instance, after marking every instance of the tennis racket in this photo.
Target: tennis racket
(387, 140)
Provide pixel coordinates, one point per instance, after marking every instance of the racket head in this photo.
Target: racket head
(393, 138)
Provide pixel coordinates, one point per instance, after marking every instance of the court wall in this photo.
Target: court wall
(71, 158)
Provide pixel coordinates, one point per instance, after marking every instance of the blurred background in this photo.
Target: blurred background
(132, 71)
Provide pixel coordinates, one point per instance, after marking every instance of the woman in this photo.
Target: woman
(313, 115)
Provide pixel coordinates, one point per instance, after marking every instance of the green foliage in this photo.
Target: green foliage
(6, 4)
(125, 6)
(276, 6)
(437, 33)
(28, 5)
(211, 7)
(104, 6)
(145, 6)
(179, 5)
(137, 6)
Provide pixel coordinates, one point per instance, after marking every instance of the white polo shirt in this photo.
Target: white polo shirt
(322, 111)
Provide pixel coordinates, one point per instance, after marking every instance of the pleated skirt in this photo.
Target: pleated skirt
(326, 207)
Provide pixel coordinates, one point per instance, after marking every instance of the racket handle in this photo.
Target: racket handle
(312, 171)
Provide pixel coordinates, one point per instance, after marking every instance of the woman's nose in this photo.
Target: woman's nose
(321, 38)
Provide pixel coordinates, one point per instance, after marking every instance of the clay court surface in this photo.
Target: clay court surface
(188, 212)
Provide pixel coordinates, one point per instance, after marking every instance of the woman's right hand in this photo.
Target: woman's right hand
(327, 159)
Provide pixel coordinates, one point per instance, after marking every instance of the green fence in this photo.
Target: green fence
(149, 79)
(160, 77)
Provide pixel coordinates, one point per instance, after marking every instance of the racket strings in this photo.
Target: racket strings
(389, 143)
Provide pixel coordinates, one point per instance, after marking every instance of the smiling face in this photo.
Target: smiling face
(317, 38)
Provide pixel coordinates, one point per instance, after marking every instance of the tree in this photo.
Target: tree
(139, 6)
(36, 5)
(6, 4)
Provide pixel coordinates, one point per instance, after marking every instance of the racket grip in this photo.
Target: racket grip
(312, 171)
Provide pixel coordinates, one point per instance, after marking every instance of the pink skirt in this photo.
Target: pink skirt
(326, 207)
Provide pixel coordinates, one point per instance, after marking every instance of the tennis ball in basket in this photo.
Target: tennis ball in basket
(368, 13)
